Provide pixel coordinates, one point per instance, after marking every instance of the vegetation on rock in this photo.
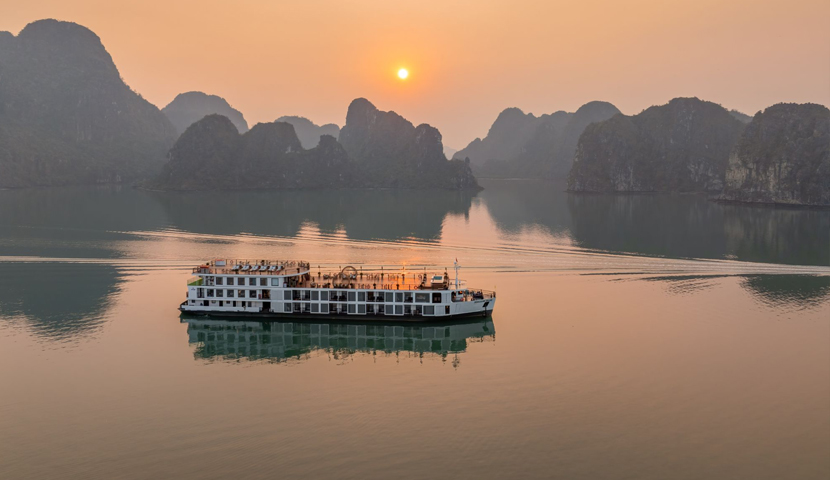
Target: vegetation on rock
(682, 146)
(390, 152)
(66, 116)
(782, 157)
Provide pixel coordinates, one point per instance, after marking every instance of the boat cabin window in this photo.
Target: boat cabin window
(324, 295)
(436, 297)
(399, 297)
(263, 282)
(361, 296)
(315, 295)
(252, 281)
(390, 297)
(219, 280)
(422, 297)
(275, 282)
(352, 297)
(286, 295)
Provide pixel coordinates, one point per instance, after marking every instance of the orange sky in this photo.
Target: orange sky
(468, 59)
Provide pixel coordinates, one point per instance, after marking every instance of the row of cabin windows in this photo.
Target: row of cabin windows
(295, 307)
(352, 296)
(221, 303)
(333, 296)
(289, 307)
(263, 282)
(230, 293)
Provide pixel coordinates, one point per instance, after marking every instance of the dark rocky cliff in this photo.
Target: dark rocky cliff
(66, 116)
(522, 145)
(308, 132)
(682, 146)
(190, 107)
(391, 152)
(782, 157)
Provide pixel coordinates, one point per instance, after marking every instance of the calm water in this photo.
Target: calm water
(635, 337)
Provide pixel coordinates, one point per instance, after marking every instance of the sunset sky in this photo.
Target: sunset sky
(467, 60)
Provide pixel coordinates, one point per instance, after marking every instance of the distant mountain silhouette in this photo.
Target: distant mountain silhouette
(211, 154)
(190, 107)
(682, 146)
(386, 151)
(522, 145)
(783, 156)
(308, 132)
(741, 116)
(391, 152)
(66, 116)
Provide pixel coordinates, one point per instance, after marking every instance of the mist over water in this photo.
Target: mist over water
(666, 334)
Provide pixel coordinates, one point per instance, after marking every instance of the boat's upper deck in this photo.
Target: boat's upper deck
(298, 274)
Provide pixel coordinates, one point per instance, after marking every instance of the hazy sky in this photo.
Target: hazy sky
(467, 59)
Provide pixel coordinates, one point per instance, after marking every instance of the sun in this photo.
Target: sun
(403, 73)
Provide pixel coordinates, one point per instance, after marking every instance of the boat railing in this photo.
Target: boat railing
(252, 267)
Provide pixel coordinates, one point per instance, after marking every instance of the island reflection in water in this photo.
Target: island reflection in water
(233, 341)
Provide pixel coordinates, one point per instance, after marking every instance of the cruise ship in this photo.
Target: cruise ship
(277, 289)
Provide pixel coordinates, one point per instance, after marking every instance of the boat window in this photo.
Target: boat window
(287, 307)
(351, 308)
(361, 296)
(429, 310)
(230, 292)
(324, 295)
(219, 280)
(436, 297)
(252, 281)
(324, 307)
(422, 297)
(390, 297)
(240, 293)
(361, 309)
(315, 307)
(398, 309)
(352, 297)
(286, 295)
(263, 282)
(315, 295)
(220, 293)
(252, 293)
(275, 282)
(399, 297)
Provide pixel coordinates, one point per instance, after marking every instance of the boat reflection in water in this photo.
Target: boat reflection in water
(231, 340)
